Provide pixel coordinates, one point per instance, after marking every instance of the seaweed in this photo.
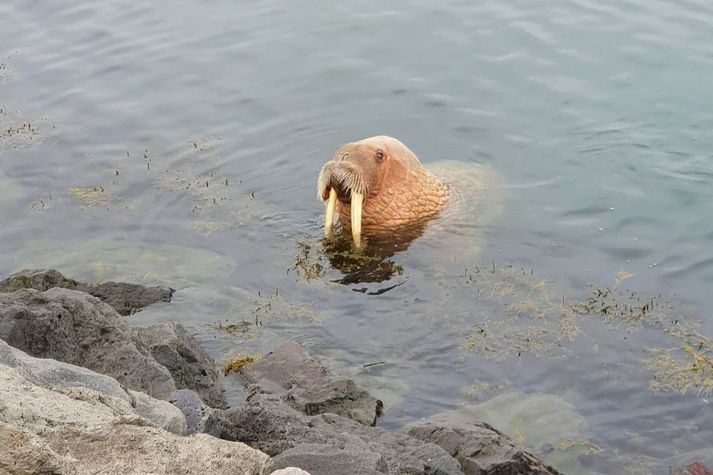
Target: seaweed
(585, 447)
(536, 321)
(356, 266)
(91, 196)
(236, 363)
(684, 369)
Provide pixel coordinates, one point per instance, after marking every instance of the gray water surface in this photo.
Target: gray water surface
(179, 143)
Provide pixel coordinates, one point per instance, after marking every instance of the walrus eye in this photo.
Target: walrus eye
(380, 155)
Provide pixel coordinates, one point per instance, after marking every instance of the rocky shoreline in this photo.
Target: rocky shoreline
(82, 391)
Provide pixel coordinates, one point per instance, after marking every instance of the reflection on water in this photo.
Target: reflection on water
(179, 143)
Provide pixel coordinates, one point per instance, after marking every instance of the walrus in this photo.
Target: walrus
(377, 186)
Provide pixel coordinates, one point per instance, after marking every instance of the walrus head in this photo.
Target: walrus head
(379, 186)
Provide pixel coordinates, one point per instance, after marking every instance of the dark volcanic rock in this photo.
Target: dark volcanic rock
(125, 298)
(481, 450)
(77, 328)
(188, 363)
(306, 385)
(695, 468)
(199, 417)
(328, 443)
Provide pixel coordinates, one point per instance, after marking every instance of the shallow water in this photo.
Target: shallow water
(179, 143)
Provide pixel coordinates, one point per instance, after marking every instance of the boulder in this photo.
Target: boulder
(189, 365)
(81, 431)
(307, 386)
(125, 298)
(60, 376)
(77, 328)
(25, 453)
(162, 413)
(36, 279)
(329, 443)
(200, 418)
(480, 449)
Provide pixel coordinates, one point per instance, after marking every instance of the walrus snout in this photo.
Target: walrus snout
(343, 180)
(342, 176)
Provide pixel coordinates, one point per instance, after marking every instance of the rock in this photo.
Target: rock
(25, 453)
(199, 417)
(162, 413)
(53, 374)
(695, 468)
(77, 328)
(36, 279)
(190, 366)
(290, 471)
(79, 430)
(306, 385)
(326, 458)
(125, 298)
(328, 443)
(480, 449)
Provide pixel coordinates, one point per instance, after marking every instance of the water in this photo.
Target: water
(179, 143)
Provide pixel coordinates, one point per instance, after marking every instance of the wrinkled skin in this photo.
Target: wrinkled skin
(398, 193)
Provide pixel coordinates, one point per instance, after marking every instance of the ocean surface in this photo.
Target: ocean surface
(179, 142)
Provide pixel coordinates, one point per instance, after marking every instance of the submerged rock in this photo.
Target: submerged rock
(277, 419)
(77, 328)
(695, 468)
(124, 298)
(188, 363)
(480, 449)
(307, 386)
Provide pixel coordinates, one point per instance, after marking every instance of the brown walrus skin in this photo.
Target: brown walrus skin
(398, 192)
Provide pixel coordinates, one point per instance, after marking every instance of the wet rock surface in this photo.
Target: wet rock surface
(307, 386)
(328, 443)
(189, 365)
(123, 297)
(276, 419)
(480, 449)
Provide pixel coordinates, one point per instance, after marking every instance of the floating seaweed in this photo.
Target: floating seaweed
(236, 363)
(91, 196)
(689, 368)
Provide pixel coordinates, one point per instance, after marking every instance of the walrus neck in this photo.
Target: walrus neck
(416, 199)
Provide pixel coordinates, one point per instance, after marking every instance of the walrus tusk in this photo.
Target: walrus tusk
(329, 217)
(357, 201)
